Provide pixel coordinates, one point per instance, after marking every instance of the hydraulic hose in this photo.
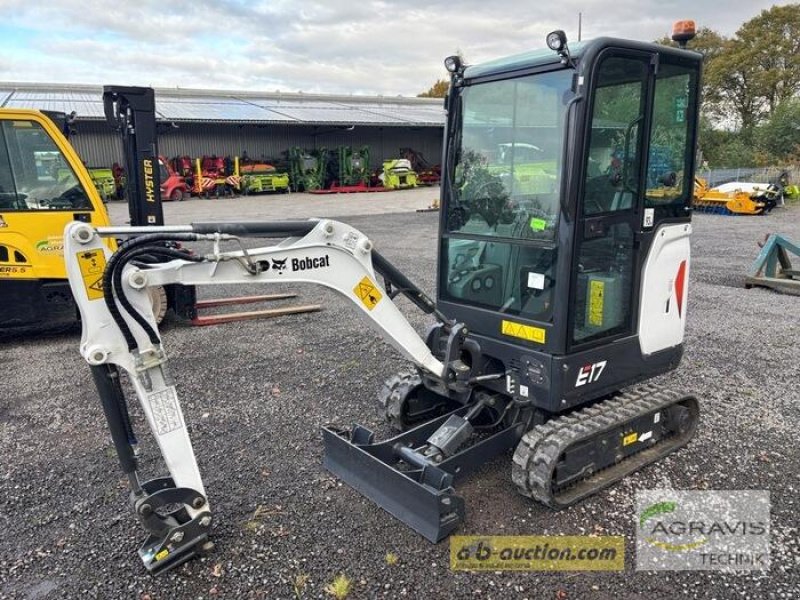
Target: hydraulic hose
(123, 300)
(126, 247)
(258, 229)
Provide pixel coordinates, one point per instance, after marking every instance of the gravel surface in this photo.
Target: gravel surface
(256, 393)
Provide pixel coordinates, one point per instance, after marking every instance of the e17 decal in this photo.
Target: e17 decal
(590, 373)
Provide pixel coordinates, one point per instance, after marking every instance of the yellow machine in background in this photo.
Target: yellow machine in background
(397, 174)
(43, 186)
(104, 182)
(734, 201)
(260, 177)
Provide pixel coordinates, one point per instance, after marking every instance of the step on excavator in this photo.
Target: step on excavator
(554, 307)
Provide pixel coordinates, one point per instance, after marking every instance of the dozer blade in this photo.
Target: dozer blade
(422, 498)
(571, 457)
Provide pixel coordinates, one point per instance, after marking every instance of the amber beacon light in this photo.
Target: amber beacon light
(683, 31)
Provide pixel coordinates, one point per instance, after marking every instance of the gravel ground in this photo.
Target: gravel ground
(256, 393)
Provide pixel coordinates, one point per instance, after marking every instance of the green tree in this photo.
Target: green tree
(723, 147)
(737, 97)
(770, 43)
(437, 90)
(757, 69)
(780, 136)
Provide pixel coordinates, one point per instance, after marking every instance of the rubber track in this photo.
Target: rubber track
(392, 395)
(538, 451)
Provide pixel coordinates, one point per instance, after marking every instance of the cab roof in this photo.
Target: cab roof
(544, 56)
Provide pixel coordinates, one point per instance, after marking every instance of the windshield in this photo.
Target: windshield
(33, 172)
(507, 169)
(504, 160)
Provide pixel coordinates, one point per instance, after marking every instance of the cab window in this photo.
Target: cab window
(33, 172)
(668, 189)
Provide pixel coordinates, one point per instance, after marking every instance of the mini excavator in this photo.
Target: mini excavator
(562, 289)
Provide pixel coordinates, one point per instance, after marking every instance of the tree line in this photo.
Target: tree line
(750, 115)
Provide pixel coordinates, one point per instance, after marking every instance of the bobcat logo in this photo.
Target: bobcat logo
(279, 265)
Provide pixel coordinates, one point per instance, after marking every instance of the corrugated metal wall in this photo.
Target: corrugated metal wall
(98, 145)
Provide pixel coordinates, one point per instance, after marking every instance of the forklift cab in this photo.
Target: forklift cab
(43, 186)
(566, 208)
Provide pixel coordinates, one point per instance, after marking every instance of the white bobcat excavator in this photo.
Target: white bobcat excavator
(552, 301)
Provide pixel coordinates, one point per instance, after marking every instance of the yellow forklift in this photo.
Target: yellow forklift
(44, 185)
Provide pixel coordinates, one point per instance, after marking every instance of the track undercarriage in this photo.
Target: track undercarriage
(558, 460)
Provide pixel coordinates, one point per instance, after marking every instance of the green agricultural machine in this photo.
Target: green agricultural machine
(307, 169)
(260, 178)
(352, 166)
(398, 174)
(103, 180)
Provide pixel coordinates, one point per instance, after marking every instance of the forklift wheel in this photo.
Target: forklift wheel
(158, 301)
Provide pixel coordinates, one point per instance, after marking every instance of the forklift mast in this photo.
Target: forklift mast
(132, 112)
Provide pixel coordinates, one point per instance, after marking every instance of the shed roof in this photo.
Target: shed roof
(185, 105)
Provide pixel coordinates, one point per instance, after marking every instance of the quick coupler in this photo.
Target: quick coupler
(177, 521)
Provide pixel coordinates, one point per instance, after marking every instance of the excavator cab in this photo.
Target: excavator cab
(554, 207)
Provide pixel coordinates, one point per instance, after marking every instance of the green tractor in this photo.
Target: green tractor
(527, 167)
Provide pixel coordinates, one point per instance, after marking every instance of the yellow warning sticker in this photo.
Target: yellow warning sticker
(92, 264)
(368, 293)
(596, 291)
(525, 332)
(630, 439)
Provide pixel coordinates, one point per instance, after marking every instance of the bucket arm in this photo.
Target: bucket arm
(120, 332)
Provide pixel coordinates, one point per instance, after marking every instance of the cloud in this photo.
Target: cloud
(333, 46)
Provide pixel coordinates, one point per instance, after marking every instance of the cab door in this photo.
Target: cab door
(606, 255)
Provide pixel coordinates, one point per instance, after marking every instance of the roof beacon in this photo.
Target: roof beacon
(683, 32)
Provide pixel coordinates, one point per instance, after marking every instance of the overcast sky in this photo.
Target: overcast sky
(333, 46)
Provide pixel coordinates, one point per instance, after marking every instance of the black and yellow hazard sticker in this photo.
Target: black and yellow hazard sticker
(629, 439)
(596, 302)
(522, 331)
(368, 293)
(92, 264)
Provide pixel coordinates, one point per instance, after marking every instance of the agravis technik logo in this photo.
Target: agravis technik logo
(708, 530)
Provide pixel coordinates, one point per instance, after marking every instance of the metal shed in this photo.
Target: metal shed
(229, 123)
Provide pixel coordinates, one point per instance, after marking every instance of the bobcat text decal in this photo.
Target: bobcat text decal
(301, 264)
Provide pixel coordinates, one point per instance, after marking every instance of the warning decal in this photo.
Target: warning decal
(522, 331)
(596, 302)
(368, 293)
(92, 264)
(165, 411)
